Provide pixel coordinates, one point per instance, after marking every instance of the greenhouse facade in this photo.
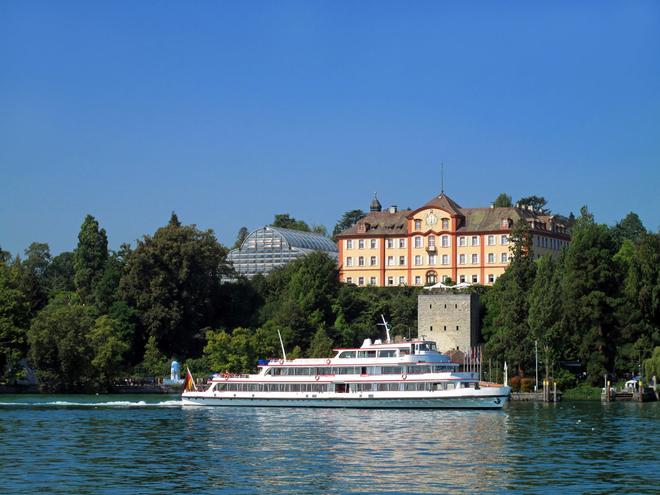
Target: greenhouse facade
(270, 247)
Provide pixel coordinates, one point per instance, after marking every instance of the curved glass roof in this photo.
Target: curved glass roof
(305, 240)
(269, 247)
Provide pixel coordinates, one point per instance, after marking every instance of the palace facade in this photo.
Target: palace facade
(440, 240)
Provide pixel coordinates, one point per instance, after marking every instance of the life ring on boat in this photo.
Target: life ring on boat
(404, 375)
(327, 361)
(281, 361)
(317, 378)
(226, 375)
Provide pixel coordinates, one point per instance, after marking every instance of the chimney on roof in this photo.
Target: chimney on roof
(393, 209)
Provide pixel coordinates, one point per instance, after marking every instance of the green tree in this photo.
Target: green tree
(346, 221)
(106, 291)
(109, 346)
(90, 258)
(285, 221)
(321, 344)
(60, 274)
(506, 326)
(545, 309)
(173, 280)
(242, 234)
(503, 201)
(60, 347)
(537, 203)
(15, 313)
(629, 228)
(154, 362)
(590, 286)
(234, 353)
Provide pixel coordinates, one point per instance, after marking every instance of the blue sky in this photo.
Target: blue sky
(228, 113)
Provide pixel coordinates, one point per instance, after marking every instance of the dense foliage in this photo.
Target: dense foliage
(596, 305)
(82, 320)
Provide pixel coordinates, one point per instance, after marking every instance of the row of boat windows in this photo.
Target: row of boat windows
(352, 387)
(386, 353)
(359, 370)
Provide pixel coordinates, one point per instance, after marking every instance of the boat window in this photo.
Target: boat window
(390, 370)
(419, 369)
(346, 354)
(366, 354)
(387, 353)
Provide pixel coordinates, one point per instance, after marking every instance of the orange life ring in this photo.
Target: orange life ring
(327, 361)
(317, 378)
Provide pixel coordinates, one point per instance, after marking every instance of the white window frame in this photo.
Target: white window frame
(418, 280)
(349, 243)
(349, 280)
(402, 243)
(373, 261)
(504, 239)
(390, 261)
(475, 278)
(491, 240)
(390, 243)
(361, 244)
(360, 281)
(419, 243)
(418, 260)
(402, 261)
(445, 241)
(349, 261)
(373, 243)
(462, 241)
(504, 258)
(491, 258)
(474, 240)
(433, 259)
(360, 260)
(461, 259)
(475, 259)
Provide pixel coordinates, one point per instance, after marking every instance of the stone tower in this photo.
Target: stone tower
(449, 319)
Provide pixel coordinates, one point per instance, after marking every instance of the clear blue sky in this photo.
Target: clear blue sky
(228, 113)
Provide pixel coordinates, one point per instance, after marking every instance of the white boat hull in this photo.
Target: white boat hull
(481, 401)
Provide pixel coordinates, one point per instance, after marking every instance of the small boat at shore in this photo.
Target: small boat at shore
(408, 374)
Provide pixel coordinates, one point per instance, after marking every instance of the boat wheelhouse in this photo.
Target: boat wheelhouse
(408, 374)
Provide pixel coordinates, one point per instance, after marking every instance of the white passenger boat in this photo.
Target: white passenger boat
(408, 374)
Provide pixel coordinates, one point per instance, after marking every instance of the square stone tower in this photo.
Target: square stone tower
(449, 319)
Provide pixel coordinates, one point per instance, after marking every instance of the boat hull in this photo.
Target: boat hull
(465, 402)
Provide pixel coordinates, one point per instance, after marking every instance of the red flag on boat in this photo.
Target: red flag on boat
(189, 384)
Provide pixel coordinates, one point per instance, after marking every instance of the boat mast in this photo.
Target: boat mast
(387, 329)
(282, 344)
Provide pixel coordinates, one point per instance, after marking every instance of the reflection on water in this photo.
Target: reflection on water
(104, 447)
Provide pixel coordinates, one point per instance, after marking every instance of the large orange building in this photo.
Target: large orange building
(439, 240)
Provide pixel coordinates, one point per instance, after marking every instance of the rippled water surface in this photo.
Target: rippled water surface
(150, 444)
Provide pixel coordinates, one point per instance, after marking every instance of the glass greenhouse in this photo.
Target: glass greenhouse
(269, 247)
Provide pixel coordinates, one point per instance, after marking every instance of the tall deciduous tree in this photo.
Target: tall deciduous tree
(15, 313)
(173, 279)
(91, 256)
(60, 346)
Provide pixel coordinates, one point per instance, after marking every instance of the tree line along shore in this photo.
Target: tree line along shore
(89, 319)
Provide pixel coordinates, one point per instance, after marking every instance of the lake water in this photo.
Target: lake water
(150, 444)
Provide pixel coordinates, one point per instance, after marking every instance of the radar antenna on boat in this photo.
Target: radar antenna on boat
(387, 329)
